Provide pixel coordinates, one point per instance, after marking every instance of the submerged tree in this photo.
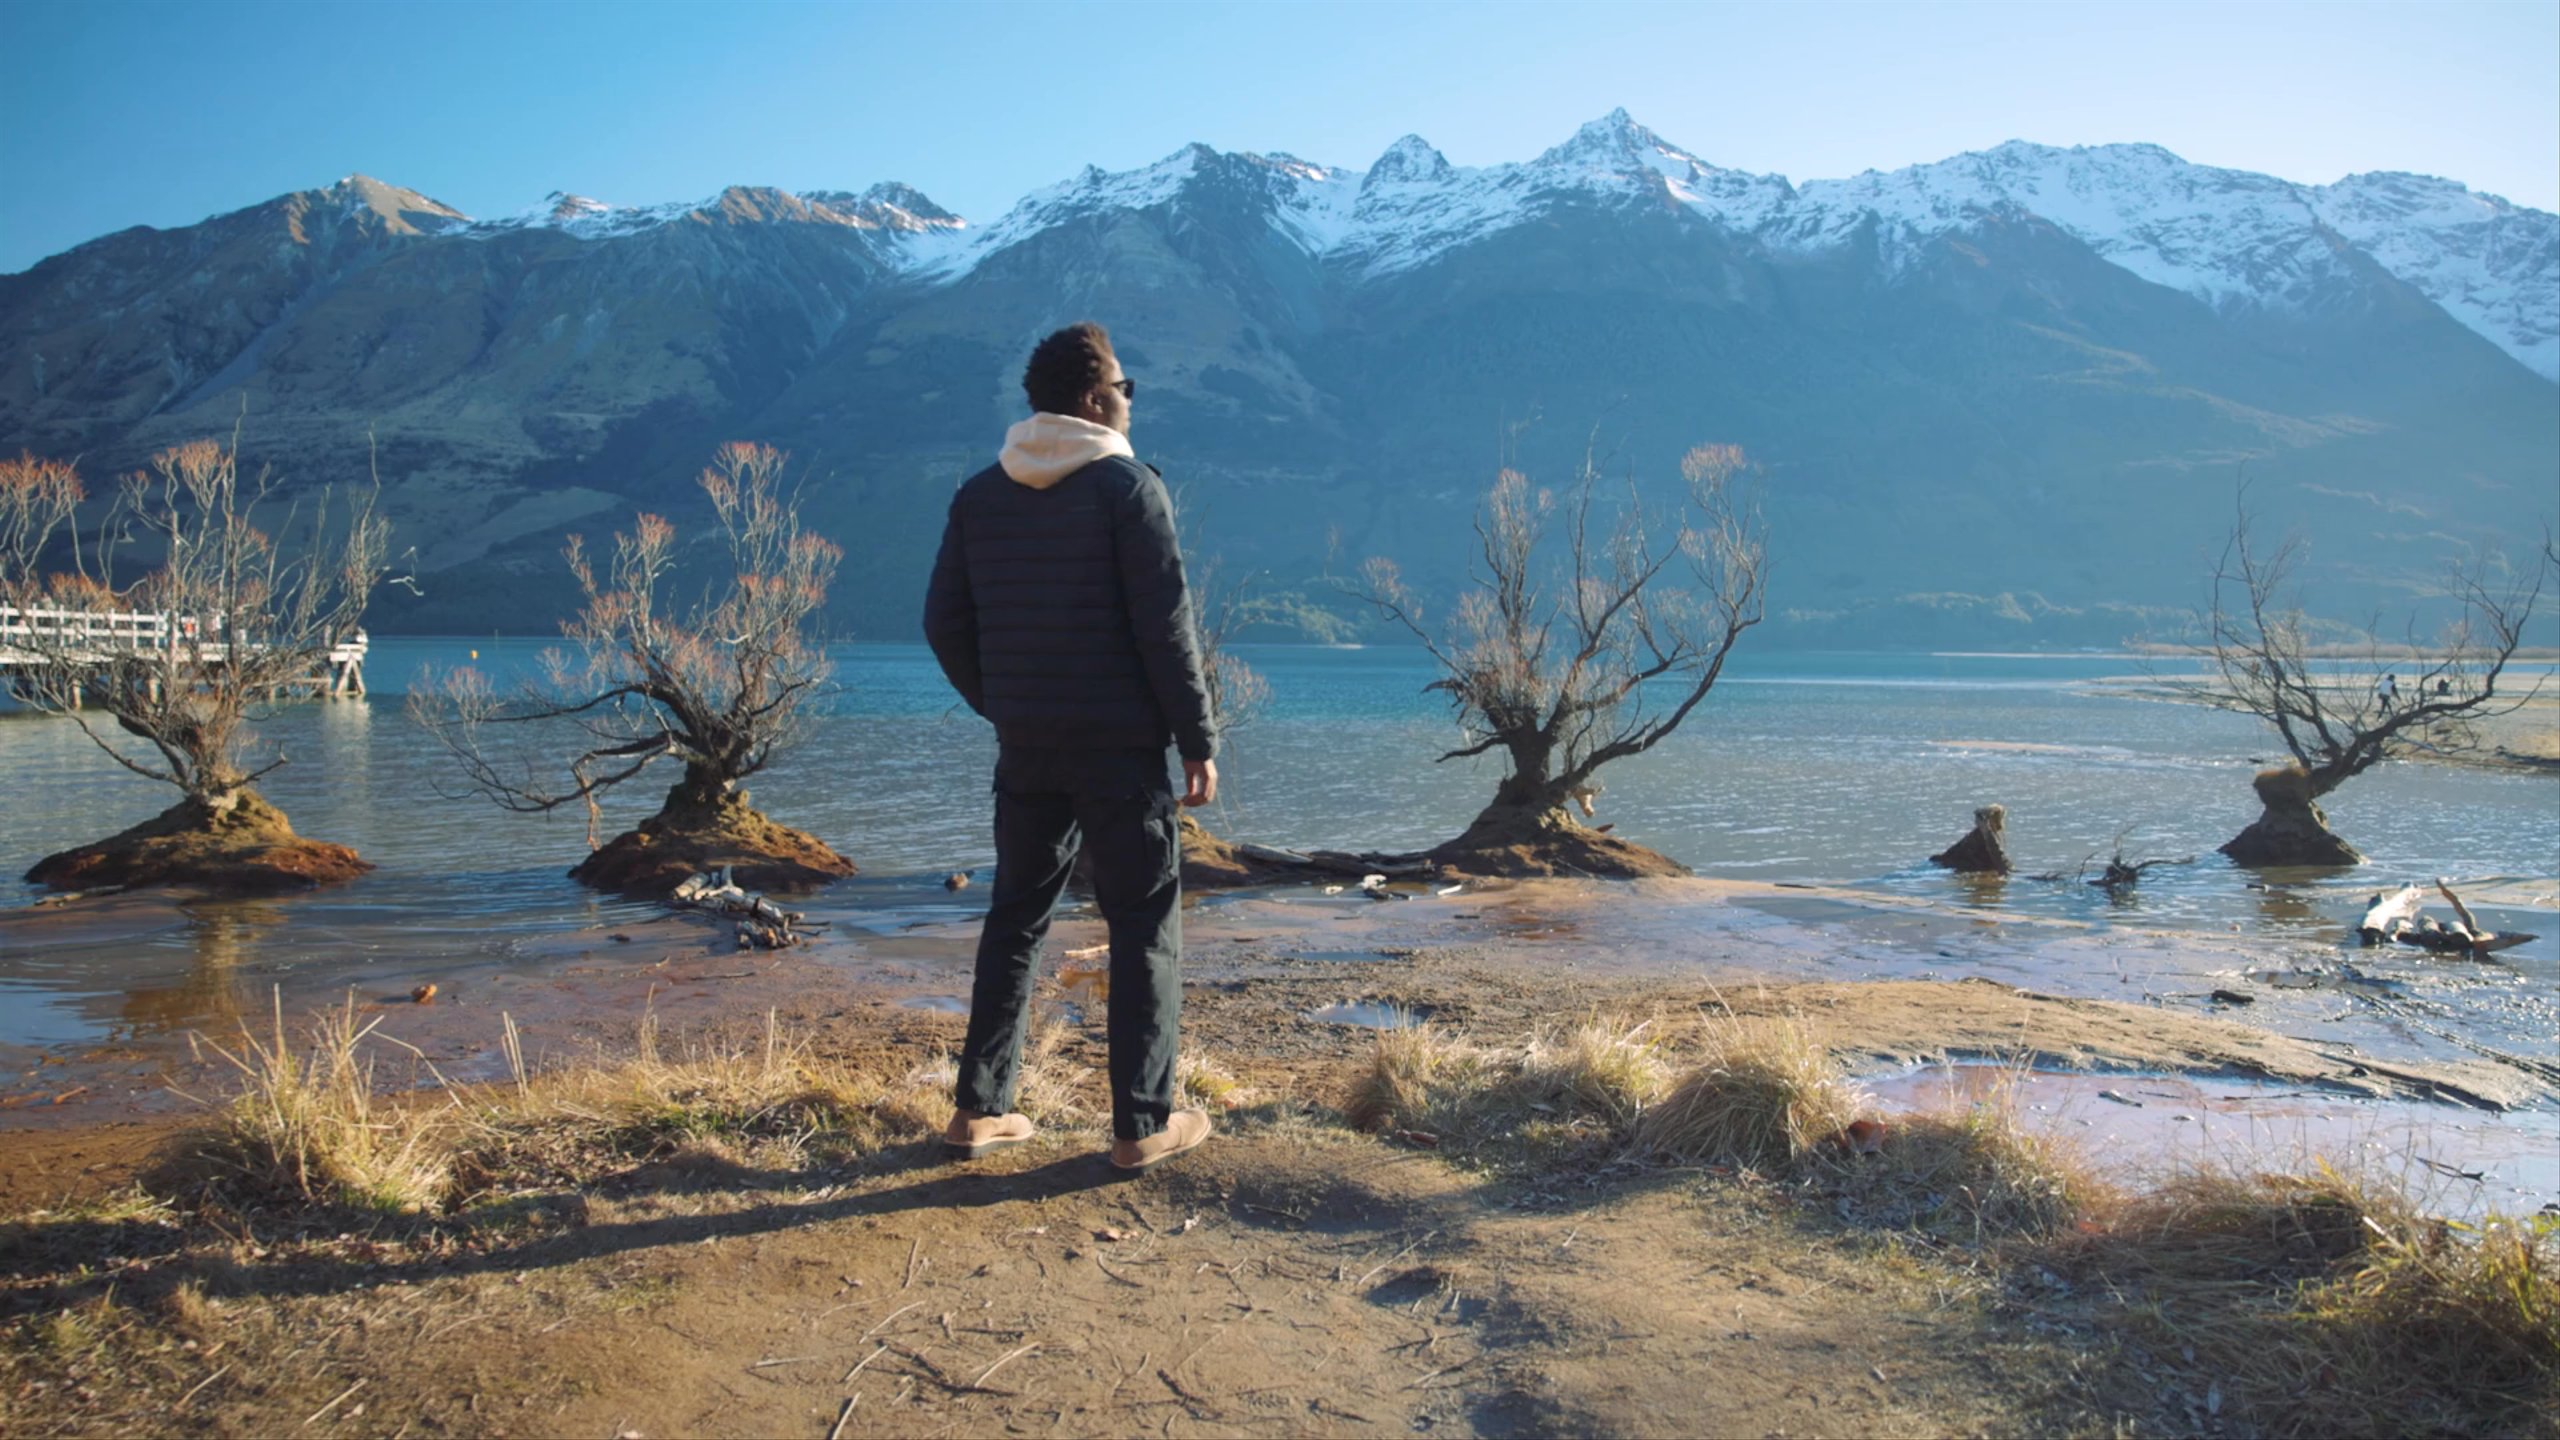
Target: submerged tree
(1580, 644)
(180, 622)
(718, 685)
(2341, 716)
(1237, 695)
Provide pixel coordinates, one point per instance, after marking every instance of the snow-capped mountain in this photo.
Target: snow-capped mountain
(2031, 370)
(2226, 237)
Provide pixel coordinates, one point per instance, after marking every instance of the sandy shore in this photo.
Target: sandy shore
(1294, 1278)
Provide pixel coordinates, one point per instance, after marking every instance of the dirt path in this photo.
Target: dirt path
(1284, 1282)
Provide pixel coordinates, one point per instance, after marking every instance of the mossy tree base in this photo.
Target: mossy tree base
(240, 845)
(2291, 830)
(1530, 843)
(689, 837)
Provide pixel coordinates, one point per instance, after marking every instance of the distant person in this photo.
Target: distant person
(2388, 692)
(1059, 611)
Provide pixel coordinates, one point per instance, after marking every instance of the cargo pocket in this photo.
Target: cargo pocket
(1134, 843)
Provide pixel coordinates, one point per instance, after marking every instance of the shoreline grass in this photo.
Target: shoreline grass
(2307, 1301)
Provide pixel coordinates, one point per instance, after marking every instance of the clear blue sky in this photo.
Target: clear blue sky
(120, 113)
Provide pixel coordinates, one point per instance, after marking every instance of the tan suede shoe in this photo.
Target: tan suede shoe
(970, 1134)
(1183, 1130)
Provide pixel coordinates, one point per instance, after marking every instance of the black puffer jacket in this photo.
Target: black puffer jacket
(1061, 614)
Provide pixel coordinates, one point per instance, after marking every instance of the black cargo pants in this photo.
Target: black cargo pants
(1118, 807)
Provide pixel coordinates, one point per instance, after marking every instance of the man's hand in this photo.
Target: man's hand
(1199, 782)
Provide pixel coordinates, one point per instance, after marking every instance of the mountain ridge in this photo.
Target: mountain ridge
(2030, 371)
(2491, 264)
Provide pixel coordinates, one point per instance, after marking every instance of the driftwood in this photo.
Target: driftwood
(1393, 866)
(2387, 914)
(1337, 862)
(2461, 911)
(2122, 875)
(762, 925)
(2395, 917)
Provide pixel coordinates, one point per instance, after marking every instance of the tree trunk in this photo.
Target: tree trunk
(1984, 849)
(1530, 830)
(1521, 813)
(699, 796)
(2291, 829)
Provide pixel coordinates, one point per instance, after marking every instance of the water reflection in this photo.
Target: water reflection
(224, 940)
(1983, 888)
(2286, 907)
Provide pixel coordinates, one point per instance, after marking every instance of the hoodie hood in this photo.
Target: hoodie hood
(1045, 449)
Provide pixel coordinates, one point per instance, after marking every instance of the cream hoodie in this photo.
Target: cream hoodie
(1045, 449)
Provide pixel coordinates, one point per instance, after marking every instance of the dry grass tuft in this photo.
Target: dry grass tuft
(2331, 1304)
(1056, 1092)
(1420, 1078)
(192, 1315)
(2443, 1322)
(713, 1108)
(736, 1093)
(310, 1128)
(1604, 1068)
(1587, 1083)
(2209, 1224)
(1762, 1095)
(1203, 1081)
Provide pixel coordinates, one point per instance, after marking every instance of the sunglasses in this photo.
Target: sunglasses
(1128, 388)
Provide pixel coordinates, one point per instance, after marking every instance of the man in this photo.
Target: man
(1059, 611)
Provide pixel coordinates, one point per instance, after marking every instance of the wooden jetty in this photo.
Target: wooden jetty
(103, 635)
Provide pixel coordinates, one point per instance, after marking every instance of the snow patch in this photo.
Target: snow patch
(2230, 238)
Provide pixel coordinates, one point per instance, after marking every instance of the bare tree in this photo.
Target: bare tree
(180, 622)
(39, 498)
(717, 684)
(1238, 693)
(1578, 649)
(2338, 715)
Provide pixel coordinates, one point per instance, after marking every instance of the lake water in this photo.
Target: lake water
(1843, 769)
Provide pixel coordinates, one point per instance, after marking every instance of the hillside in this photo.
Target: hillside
(2003, 398)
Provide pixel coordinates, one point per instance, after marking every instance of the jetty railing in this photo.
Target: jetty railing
(35, 638)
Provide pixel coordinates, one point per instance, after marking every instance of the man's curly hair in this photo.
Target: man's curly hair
(1065, 367)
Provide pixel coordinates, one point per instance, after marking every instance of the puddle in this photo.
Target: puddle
(946, 1004)
(2456, 1162)
(1369, 1014)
